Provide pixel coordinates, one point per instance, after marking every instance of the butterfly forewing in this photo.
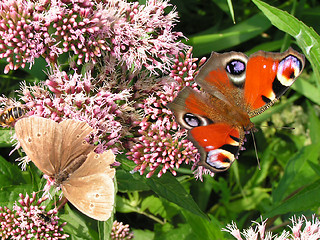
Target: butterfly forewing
(268, 77)
(41, 140)
(74, 143)
(90, 188)
(223, 76)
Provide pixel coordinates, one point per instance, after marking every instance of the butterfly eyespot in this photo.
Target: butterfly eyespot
(96, 156)
(236, 70)
(29, 140)
(288, 69)
(91, 205)
(84, 142)
(191, 120)
(38, 134)
(97, 195)
(220, 159)
(78, 136)
(235, 67)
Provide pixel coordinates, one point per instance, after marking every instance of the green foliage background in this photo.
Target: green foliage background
(181, 207)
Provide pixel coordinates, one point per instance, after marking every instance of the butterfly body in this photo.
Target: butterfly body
(60, 151)
(62, 176)
(235, 88)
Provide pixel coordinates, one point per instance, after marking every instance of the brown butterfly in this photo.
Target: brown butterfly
(60, 151)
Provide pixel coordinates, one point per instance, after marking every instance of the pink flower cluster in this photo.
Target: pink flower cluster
(311, 230)
(136, 35)
(120, 231)
(74, 97)
(158, 147)
(162, 144)
(29, 220)
(123, 44)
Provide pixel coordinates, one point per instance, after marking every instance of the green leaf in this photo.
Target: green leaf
(204, 43)
(125, 206)
(297, 172)
(314, 124)
(126, 164)
(105, 229)
(130, 182)
(252, 199)
(154, 205)
(266, 162)
(183, 231)
(306, 37)
(315, 167)
(8, 195)
(202, 228)
(202, 191)
(231, 10)
(143, 234)
(9, 174)
(267, 46)
(79, 226)
(305, 200)
(226, 7)
(307, 89)
(5, 138)
(169, 188)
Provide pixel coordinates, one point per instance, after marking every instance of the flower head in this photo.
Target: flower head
(162, 144)
(120, 231)
(73, 97)
(311, 231)
(136, 36)
(29, 220)
(158, 147)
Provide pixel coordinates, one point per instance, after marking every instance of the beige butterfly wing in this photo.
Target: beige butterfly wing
(73, 141)
(41, 140)
(90, 188)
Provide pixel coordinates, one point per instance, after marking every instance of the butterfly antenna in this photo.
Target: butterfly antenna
(255, 149)
(286, 128)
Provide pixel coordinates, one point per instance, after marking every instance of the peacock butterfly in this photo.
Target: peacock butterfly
(235, 89)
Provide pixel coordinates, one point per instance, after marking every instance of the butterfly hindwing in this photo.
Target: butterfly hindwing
(90, 188)
(216, 138)
(219, 145)
(41, 139)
